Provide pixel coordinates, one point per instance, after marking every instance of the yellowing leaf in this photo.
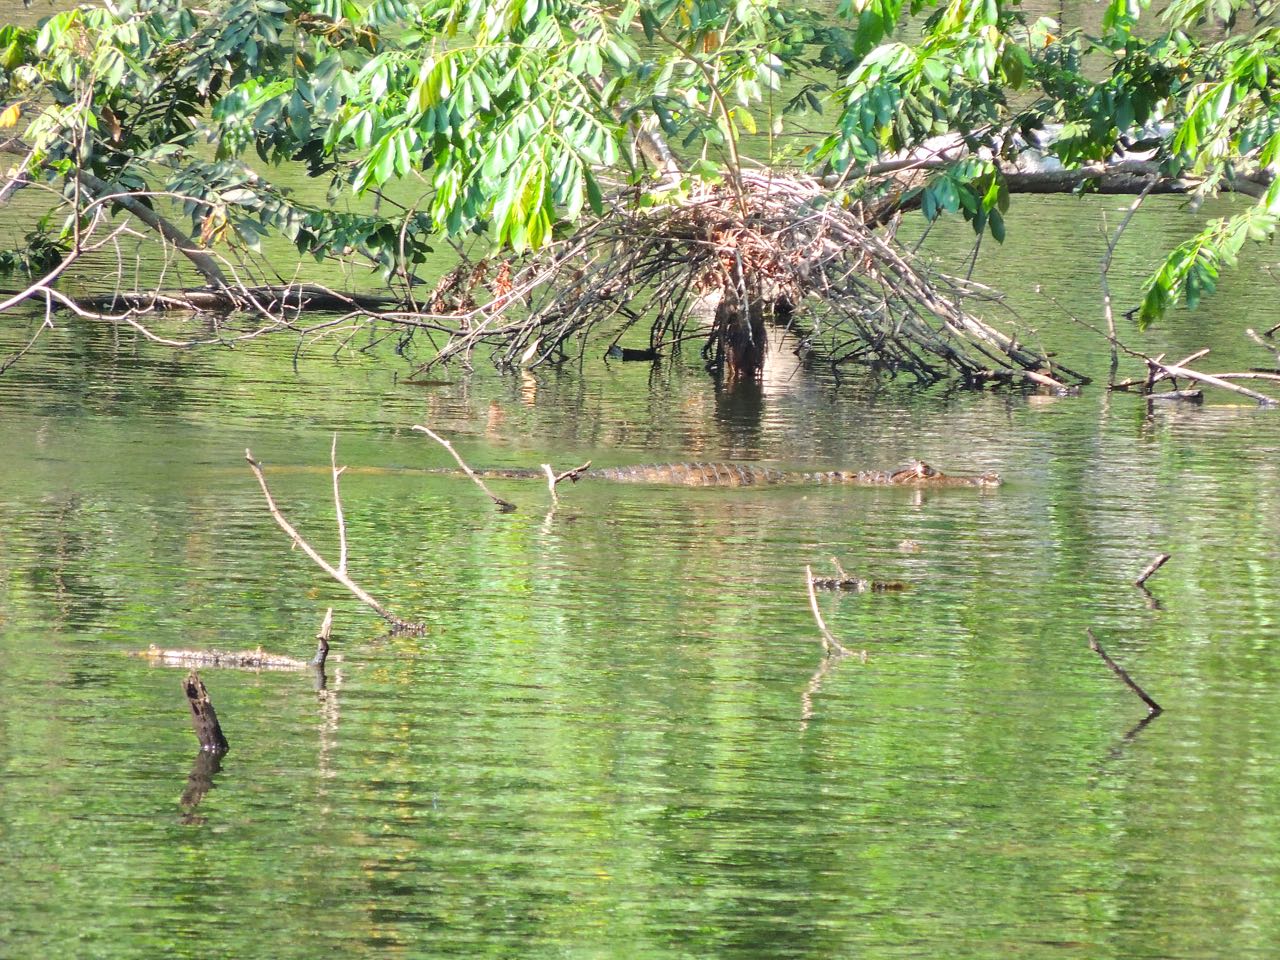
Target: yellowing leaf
(10, 115)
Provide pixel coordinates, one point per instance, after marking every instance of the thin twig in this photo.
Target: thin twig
(337, 505)
(400, 625)
(1152, 707)
(1151, 568)
(505, 506)
(1106, 269)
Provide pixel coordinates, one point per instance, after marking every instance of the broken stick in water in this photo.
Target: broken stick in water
(830, 645)
(203, 717)
(555, 479)
(1152, 567)
(1152, 707)
(322, 640)
(506, 506)
(340, 572)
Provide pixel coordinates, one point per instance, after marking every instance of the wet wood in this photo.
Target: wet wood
(1153, 707)
(204, 719)
(322, 640)
(294, 297)
(1151, 568)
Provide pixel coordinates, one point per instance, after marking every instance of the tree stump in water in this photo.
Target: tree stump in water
(203, 717)
(740, 330)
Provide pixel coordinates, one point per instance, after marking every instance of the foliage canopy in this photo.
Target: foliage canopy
(511, 119)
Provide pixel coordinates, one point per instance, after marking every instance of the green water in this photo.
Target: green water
(615, 739)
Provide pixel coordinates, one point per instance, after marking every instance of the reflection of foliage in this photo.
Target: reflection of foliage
(41, 254)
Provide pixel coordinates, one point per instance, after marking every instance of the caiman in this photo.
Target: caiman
(915, 474)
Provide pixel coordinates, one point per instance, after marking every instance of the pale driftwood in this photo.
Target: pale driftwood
(551, 483)
(506, 506)
(830, 645)
(555, 479)
(1151, 568)
(46, 324)
(204, 719)
(340, 576)
(1152, 707)
(245, 659)
(1270, 347)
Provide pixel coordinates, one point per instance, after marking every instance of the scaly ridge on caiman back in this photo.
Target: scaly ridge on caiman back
(915, 474)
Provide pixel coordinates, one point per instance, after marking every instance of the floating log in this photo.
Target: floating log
(203, 717)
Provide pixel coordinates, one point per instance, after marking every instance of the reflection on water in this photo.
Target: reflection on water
(618, 736)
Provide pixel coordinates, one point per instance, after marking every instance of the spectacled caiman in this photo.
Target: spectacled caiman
(915, 474)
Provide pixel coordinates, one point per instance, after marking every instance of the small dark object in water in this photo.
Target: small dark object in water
(626, 354)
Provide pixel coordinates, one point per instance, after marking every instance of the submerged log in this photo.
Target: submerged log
(204, 719)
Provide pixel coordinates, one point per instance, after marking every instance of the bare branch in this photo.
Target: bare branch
(830, 645)
(1151, 568)
(340, 576)
(505, 506)
(1152, 707)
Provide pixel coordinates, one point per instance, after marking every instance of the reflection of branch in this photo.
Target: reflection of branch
(1153, 707)
(812, 687)
(505, 506)
(199, 782)
(403, 626)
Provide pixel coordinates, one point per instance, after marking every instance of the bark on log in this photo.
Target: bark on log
(203, 717)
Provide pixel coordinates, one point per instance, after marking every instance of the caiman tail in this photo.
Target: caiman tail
(916, 474)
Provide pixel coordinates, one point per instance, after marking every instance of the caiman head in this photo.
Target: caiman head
(915, 470)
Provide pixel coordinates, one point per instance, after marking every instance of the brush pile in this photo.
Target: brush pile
(716, 266)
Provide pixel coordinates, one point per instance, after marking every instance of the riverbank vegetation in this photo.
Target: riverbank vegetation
(693, 167)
